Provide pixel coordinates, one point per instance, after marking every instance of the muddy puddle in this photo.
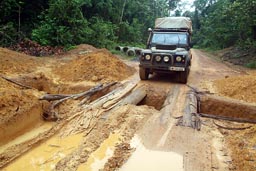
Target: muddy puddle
(31, 134)
(99, 158)
(46, 156)
(151, 160)
(13, 127)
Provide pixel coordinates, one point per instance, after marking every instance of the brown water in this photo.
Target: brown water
(27, 136)
(45, 156)
(150, 160)
(97, 159)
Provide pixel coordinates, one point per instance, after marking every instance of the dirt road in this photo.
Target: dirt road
(147, 136)
(163, 145)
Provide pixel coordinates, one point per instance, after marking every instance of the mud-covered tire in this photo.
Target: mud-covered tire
(183, 76)
(143, 73)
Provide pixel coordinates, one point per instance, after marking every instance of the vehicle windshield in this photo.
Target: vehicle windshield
(169, 38)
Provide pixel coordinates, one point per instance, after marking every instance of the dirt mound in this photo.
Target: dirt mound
(239, 87)
(39, 81)
(13, 99)
(17, 105)
(98, 66)
(13, 62)
(238, 56)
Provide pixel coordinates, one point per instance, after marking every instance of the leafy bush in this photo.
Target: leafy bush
(63, 24)
(131, 32)
(8, 35)
(251, 64)
(103, 33)
(224, 23)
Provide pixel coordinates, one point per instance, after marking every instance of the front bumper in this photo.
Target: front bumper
(154, 68)
(173, 68)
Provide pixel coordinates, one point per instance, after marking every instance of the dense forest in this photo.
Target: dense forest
(103, 23)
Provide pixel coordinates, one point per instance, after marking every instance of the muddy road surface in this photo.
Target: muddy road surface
(107, 119)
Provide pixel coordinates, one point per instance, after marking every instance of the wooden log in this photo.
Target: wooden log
(113, 97)
(192, 119)
(106, 102)
(118, 96)
(52, 97)
(84, 119)
(53, 115)
(166, 111)
(17, 83)
(134, 97)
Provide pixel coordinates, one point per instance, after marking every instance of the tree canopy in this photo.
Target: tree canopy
(223, 23)
(217, 23)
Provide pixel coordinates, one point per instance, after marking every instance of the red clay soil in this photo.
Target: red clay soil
(13, 62)
(239, 87)
(242, 143)
(20, 108)
(99, 66)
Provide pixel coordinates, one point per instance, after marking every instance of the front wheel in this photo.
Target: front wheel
(183, 76)
(143, 73)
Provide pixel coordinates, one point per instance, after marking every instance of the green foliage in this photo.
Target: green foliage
(251, 65)
(224, 23)
(69, 48)
(18, 18)
(173, 4)
(103, 33)
(101, 23)
(217, 23)
(130, 32)
(8, 34)
(63, 24)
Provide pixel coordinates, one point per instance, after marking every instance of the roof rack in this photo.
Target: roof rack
(172, 29)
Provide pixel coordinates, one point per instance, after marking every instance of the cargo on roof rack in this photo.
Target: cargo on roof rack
(173, 24)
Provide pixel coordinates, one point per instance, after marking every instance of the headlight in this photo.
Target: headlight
(178, 58)
(166, 58)
(148, 57)
(158, 58)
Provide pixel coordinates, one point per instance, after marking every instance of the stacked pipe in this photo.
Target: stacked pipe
(129, 51)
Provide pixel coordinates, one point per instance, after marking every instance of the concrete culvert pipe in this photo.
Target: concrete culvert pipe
(125, 49)
(138, 51)
(131, 52)
(119, 48)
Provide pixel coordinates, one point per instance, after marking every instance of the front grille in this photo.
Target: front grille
(166, 47)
